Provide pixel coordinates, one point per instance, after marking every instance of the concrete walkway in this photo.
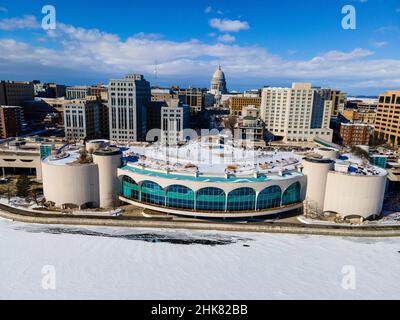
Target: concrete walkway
(138, 222)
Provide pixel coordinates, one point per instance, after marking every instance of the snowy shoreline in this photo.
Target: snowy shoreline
(116, 263)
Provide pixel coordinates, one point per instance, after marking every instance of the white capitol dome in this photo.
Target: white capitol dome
(218, 82)
(219, 75)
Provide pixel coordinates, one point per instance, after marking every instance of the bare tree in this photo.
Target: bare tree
(230, 123)
(84, 156)
(359, 152)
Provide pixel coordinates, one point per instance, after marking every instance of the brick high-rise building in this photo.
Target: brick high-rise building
(15, 93)
(387, 123)
(104, 115)
(10, 121)
(354, 134)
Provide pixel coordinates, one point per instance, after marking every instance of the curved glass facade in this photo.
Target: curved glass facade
(130, 189)
(210, 199)
(269, 198)
(291, 195)
(243, 199)
(151, 192)
(180, 197)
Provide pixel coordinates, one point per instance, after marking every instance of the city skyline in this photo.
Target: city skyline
(187, 41)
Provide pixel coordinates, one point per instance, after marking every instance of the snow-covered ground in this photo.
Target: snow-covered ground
(110, 263)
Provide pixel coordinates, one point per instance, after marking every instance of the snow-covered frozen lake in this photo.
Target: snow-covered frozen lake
(109, 263)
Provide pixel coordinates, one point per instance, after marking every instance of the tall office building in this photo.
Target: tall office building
(15, 93)
(36, 111)
(58, 105)
(78, 92)
(104, 113)
(387, 123)
(300, 113)
(82, 119)
(128, 102)
(339, 101)
(174, 119)
(154, 114)
(10, 121)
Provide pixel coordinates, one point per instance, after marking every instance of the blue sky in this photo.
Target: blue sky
(257, 42)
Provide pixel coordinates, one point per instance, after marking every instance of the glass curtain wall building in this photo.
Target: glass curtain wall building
(210, 199)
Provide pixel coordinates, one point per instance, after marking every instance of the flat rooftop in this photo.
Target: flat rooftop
(213, 161)
(69, 155)
(204, 178)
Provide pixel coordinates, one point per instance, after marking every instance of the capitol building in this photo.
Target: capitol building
(218, 85)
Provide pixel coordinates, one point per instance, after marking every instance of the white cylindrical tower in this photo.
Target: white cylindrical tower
(316, 171)
(70, 184)
(95, 145)
(327, 153)
(355, 195)
(108, 160)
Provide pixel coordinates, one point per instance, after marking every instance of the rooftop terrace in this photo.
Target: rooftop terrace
(214, 161)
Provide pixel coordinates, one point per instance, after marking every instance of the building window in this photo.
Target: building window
(269, 198)
(130, 189)
(180, 197)
(242, 199)
(292, 194)
(68, 120)
(210, 199)
(152, 193)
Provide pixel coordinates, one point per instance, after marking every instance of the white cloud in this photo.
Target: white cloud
(91, 52)
(153, 36)
(26, 22)
(380, 44)
(4, 10)
(226, 25)
(381, 83)
(210, 9)
(343, 56)
(226, 38)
